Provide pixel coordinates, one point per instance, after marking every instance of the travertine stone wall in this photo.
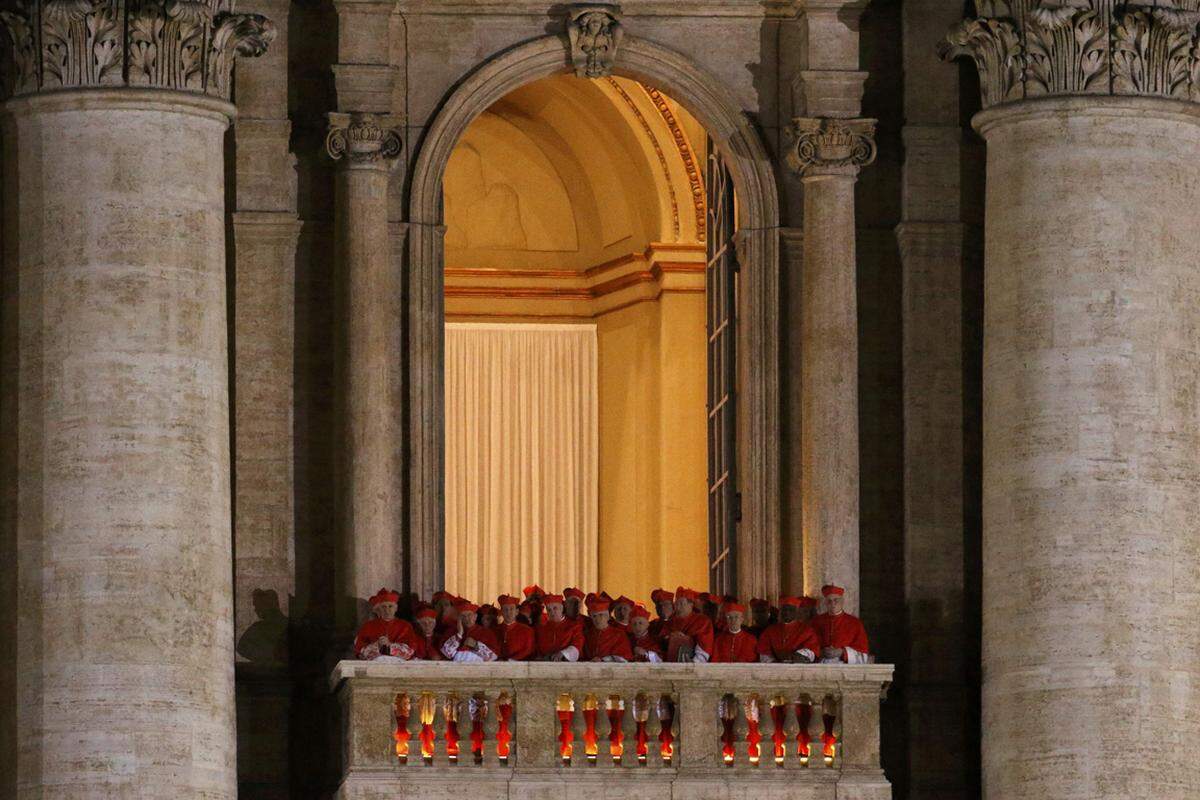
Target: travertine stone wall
(1091, 430)
(118, 423)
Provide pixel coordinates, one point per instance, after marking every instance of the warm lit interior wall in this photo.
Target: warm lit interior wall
(582, 201)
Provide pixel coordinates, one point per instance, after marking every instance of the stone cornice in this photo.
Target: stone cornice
(830, 146)
(1036, 48)
(184, 45)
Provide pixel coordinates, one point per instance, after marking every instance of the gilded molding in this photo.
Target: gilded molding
(594, 31)
(695, 179)
(361, 140)
(187, 45)
(1034, 48)
(830, 146)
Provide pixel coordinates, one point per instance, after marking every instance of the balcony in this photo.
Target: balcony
(429, 730)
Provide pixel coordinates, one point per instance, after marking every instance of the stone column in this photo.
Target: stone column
(371, 357)
(116, 401)
(1091, 379)
(828, 143)
(827, 154)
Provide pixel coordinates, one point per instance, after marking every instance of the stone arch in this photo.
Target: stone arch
(758, 247)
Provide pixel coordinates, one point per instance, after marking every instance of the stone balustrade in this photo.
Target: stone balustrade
(532, 730)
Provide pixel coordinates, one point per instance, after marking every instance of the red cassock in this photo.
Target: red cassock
(485, 636)
(658, 628)
(735, 648)
(555, 636)
(607, 642)
(783, 639)
(397, 631)
(649, 643)
(517, 641)
(841, 630)
(695, 626)
(429, 649)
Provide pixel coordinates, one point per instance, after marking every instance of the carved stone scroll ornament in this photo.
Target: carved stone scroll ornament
(187, 45)
(824, 146)
(595, 32)
(361, 140)
(1033, 48)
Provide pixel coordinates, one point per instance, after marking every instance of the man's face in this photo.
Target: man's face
(621, 613)
(788, 613)
(734, 620)
(509, 610)
(468, 618)
(426, 624)
(571, 606)
(804, 614)
(599, 620)
(638, 626)
(666, 608)
(489, 619)
(386, 611)
(441, 606)
(834, 603)
(555, 612)
(761, 615)
(683, 606)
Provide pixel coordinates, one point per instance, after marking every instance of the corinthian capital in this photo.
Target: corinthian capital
(187, 45)
(361, 140)
(1034, 48)
(830, 146)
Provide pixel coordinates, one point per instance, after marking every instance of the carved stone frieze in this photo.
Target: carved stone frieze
(826, 145)
(187, 45)
(1033, 48)
(362, 140)
(595, 32)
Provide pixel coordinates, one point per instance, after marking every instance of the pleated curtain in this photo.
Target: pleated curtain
(522, 457)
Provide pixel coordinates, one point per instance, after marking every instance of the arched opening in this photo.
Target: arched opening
(577, 447)
(753, 560)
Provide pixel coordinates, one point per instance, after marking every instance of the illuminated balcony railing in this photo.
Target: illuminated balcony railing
(482, 731)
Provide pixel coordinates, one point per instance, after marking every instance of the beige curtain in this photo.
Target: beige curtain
(521, 457)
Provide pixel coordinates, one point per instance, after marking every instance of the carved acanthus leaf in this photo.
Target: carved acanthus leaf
(823, 145)
(1028, 48)
(595, 32)
(186, 45)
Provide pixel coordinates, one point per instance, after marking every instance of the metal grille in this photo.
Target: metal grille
(721, 294)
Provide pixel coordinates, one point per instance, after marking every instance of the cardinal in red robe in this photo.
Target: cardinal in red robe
(558, 638)
(604, 642)
(760, 616)
(384, 637)
(689, 636)
(793, 639)
(843, 637)
(664, 605)
(429, 644)
(572, 603)
(619, 613)
(471, 641)
(517, 640)
(646, 646)
(735, 644)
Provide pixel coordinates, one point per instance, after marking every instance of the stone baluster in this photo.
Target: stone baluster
(1091, 574)
(114, 410)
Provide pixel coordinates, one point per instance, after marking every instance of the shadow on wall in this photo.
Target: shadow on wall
(265, 641)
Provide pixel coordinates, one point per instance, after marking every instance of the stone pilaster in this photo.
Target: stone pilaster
(827, 153)
(370, 474)
(1090, 426)
(827, 144)
(116, 408)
